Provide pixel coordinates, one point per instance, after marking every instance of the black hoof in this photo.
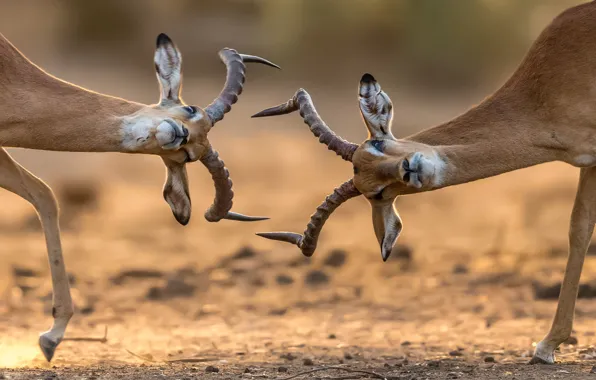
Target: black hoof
(48, 347)
(537, 360)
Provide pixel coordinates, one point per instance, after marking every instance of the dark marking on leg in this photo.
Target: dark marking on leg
(56, 262)
(54, 312)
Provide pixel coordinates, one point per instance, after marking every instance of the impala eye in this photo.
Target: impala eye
(190, 109)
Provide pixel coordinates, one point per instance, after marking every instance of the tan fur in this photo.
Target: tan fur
(545, 112)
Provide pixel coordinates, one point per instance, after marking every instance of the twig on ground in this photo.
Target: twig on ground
(330, 368)
(140, 357)
(185, 360)
(103, 339)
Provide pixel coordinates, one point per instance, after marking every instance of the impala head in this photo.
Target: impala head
(179, 131)
(384, 166)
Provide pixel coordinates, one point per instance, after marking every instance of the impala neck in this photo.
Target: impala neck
(498, 136)
(39, 111)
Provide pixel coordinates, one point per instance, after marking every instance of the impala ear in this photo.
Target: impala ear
(175, 190)
(376, 108)
(387, 225)
(168, 67)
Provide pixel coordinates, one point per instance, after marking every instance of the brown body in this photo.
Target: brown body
(39, 111)
(545, 112)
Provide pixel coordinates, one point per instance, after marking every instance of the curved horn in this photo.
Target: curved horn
(234, 80)
(220, 209)
(308, 242)
(302, 101)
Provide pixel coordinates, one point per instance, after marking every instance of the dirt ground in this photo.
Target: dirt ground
(469, 290)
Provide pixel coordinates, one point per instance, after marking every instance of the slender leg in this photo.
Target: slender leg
(15, 178)
(581, 228)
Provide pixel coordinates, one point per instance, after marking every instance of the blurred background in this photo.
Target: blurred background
(478, 257)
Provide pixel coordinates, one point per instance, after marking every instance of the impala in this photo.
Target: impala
(545, 112)
(39, 111)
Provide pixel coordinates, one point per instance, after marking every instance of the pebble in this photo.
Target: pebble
(282, 369)
(288, 356)
(489, 359)
(284, 279)
(212, 369)
(336, 258)
(308, 361)
(460, 269)
(316, 277)
(456, 353)
(347, 356)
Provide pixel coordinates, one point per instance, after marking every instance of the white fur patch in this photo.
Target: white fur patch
(439, 166)
(373, 151)
(136, 131)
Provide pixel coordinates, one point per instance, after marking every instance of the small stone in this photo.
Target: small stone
(433, 363)
(288, 356)
(247, 370)
(402, 252)
(212, 369)
(89, 309)
(24, 272)
(283, 279)
(347, 356)
(406, 343)
(456, 353)
(332, 336)
(278, 312)
(244, 253)
(453, 375)
(194, 369)
(489, 359)
(308, 361)
(282, 369)
(336, 258)
(571, 340)
(316, 277)
(386, 365)
(460, 269)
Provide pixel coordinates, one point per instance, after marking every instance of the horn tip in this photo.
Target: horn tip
(367, 78)
(259, 114)
(244, 218)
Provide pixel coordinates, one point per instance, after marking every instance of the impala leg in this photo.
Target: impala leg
(581, 228)
(15, 178)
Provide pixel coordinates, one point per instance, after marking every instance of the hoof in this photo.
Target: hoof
(539, 360)
(48, 347)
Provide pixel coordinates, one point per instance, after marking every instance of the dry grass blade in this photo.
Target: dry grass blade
(141, 357)
(331, 368)
(103, 339)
